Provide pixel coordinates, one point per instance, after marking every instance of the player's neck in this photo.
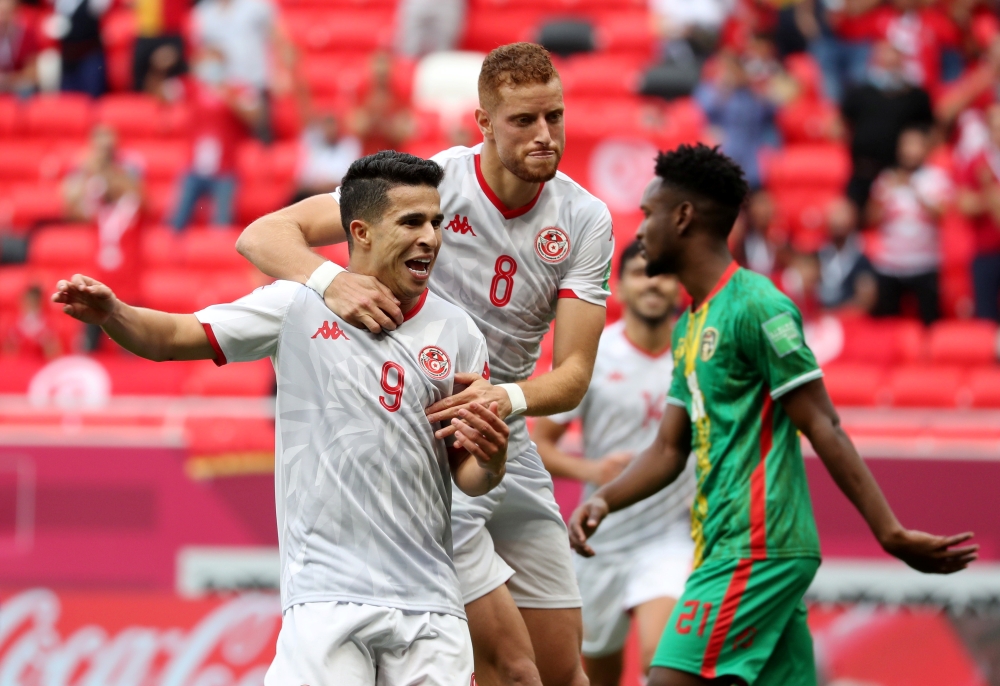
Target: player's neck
(513, 192)
(653, 338)
(700, 274)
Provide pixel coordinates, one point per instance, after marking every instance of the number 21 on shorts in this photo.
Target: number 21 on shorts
(688, 619)
(502, 286)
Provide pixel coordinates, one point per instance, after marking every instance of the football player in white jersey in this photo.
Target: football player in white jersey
(645, 555)
(523, 244)
(369, 590)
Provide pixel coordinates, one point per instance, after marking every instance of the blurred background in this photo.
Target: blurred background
(137, 526)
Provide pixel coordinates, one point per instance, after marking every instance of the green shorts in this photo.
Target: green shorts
(743, 618)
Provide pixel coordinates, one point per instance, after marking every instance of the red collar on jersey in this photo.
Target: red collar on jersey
(655, 356)
(498, 203)
(723, 280)
(416, 308)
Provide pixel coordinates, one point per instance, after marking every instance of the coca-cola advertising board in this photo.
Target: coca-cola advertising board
(139, 639)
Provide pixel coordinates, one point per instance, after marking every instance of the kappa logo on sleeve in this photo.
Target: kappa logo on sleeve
(330, 332)
(783, 334)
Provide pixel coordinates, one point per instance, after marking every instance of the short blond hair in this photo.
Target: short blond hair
(516, 64)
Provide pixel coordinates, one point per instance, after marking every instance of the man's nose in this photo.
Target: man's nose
(429, 237)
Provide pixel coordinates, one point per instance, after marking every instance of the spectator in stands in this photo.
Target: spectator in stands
(101, 180)
(838, 42)
(325, 153)
(160, 24)
(425, 26)
(18, 51)
(251, 38)
(906, 204)
(754, 246)
(689, 31)
(31, 333)
(224, 114)
(979, 199)
(77, 26)
(384, 121)
(743, 119)
(161, 79)
(876, 113)
(846, 275)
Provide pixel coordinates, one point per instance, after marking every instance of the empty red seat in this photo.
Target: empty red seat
(238, 379)
(20, 160)
(488, 28)
(171, 290)
(67, 115)
(984, 386)
(213, 248)
(963, 342)
(925, 386)
(160, 200)
(256, 162)
(882, 341)
(600, 74)
(853, 383)
(628, 31)
(10, 116)
(161, 161)
(64, 247)
(336, 74)
(807, 165)
(254, 201)
(14, 281)
(132, 114)
(226, 286)
(805, 121)
(362, 29)
(35, 203)
(160, 247)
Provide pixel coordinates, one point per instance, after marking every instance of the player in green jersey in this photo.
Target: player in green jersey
(744, 384)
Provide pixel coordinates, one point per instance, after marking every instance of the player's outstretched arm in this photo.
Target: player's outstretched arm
(279, 245)
(481, 435)
(578, 331)
(811, 411)
(546, 434)
(155, 335)
(652, 470)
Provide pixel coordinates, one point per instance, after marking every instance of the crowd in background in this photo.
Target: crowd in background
(910, 87)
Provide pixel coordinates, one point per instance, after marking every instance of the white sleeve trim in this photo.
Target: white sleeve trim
(796, 382)
(676, 401)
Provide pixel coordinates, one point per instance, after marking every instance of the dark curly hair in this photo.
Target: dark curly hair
(365, 188)
(711, 177)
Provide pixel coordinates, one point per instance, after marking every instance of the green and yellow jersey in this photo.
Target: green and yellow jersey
(740, 351)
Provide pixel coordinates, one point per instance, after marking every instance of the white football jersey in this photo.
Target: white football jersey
(362, 487)
(621, 412)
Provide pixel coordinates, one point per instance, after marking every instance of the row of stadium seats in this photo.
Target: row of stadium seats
(944, 386)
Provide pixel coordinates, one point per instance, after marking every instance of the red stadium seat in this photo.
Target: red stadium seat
(256, 162)
(164, 161)
(984, 386)
(925, 386)
(171, 290)
(807, 73)
(213, 248)
(365, 30)
(807, 121)
(225, 286)
(335, 253)
(177, 120)
(339, 74)
(10, 116)
(254, 201)
(807, 165)
(243, 379)
(852, 383)
(160, 200)
(803, 211)
(132, 115)
(36, 203)
(600, 74)
(14, 280)
(963, 342)
(21, 160)
(488, 28)
(160, 247)
(882, 341)
(64, 247)
(66, 115)
(628, 31)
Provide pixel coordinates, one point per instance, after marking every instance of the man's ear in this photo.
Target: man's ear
(361, 234)
(683, 216)
(485, 123)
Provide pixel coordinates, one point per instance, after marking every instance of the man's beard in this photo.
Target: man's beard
(518, 168)
(665, 264)
(650, 321)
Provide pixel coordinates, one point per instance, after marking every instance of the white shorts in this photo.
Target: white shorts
(615, 583)
(515, 535)
(347, 644)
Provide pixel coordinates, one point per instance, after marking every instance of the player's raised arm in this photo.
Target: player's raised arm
(155, 335)
(481, 435)
(546, 434)
(654, 469)
(279, 245)
(810, 409)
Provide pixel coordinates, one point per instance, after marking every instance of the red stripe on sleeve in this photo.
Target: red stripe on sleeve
(567, 293)
(727, 613)
(758, 483)
(220, 357)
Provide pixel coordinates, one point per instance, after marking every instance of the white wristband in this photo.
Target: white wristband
(324, 275)
(518, 405)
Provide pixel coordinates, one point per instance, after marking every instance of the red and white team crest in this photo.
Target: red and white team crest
(552, 244)
(435, 362)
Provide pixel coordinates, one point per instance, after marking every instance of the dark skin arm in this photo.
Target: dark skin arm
(811, 411)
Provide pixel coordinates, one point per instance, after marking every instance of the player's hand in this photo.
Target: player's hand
(584, 522)
(363, 301)
(478, 390)
(86, 299)
(610, 466)
(484, 435)
(932, 554)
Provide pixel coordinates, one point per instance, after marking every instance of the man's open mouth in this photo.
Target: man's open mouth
(419, 266)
